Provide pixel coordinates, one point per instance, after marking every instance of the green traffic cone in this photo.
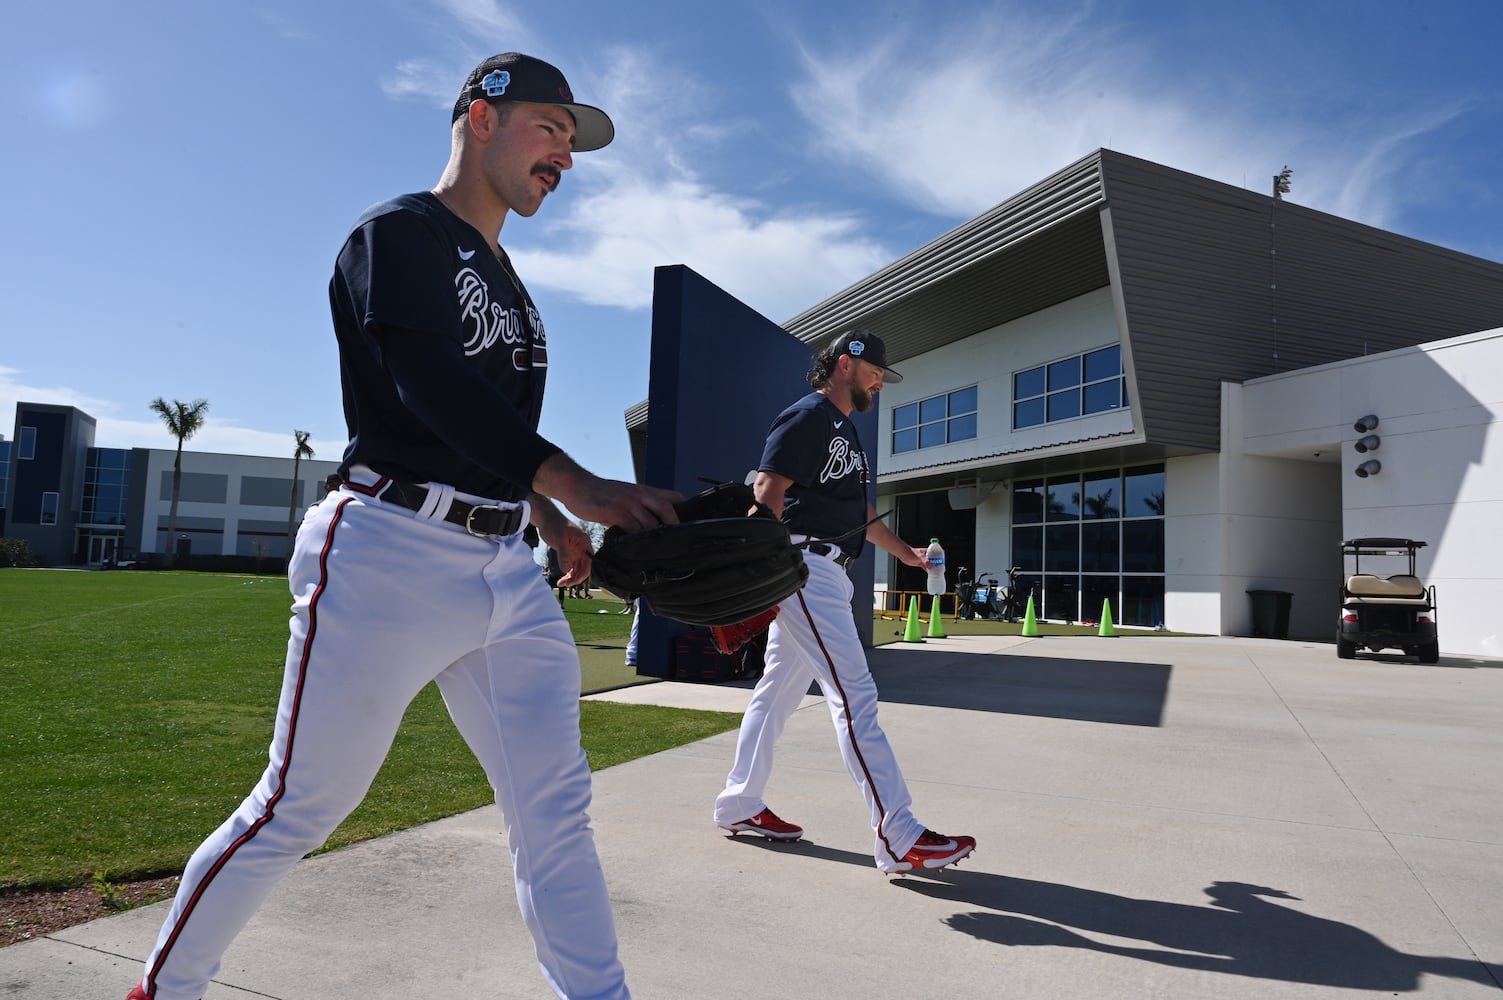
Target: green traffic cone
(1030, 623)
(1106, 629)
(936, 620)
(911, 633)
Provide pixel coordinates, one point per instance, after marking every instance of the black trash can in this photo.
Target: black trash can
(1270, 613)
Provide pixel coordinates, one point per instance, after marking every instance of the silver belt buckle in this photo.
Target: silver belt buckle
(469, 519)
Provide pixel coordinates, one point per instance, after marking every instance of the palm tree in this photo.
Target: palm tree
(302, 450)
(183, 421)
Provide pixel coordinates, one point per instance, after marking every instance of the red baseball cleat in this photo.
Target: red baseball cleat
(935, 850)
(768, 825)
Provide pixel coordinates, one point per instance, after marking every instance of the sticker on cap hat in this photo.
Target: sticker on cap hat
(496, 82)
(855, 347)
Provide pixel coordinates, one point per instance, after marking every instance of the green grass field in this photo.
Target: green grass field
(137, 710)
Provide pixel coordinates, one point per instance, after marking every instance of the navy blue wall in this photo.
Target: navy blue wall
(720, 373)
(42, 473)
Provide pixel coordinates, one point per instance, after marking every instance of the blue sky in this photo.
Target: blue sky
(180, 174)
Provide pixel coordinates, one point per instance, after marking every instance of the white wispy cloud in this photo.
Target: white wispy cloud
(423, 79)
(1012, 98)
(640, 203)
(485, 27)
(776, 263)
(491, 23)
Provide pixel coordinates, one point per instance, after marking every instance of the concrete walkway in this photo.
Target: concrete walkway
(1158, 818)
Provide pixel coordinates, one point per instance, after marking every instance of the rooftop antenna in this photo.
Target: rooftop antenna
(1281, 182)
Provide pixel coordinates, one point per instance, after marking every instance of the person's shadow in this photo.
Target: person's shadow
(1240, 933)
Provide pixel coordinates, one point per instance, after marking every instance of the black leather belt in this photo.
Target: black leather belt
(841, 559)
(476, 518)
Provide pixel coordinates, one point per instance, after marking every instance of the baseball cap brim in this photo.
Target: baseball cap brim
(592, 127)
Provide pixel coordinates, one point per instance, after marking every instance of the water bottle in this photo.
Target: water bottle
(936, 557)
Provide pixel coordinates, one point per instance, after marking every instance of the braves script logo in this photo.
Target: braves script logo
(843, 461)
(486, 322)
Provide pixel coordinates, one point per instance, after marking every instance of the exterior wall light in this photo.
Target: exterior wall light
(1371, 467)
(1368, 443)
(1367, 423)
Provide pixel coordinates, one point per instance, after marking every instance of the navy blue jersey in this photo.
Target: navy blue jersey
(442, 354)
(815, 445)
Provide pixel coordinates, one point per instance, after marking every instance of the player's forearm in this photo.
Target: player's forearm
(771, 489)
(880, 535)
(546, 515)
(605, 501)
(562, 479)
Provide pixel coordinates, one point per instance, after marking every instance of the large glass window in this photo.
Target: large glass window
(28, 444)
(1101, 546)
(1143, 492)
(1070, 387)
(1101, 496)
(1063, 501)
(49, 508)
(1142, 601)
(1028, 501)
(106, 487)
(1062, 548)
(1028, 549)
(1092, 538)
(935, 421)
(1143, 546)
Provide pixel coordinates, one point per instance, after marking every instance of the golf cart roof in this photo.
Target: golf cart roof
(1382, 543)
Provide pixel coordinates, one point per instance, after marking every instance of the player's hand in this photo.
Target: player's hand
(627, 505)
(915, 557)
(574, 553)
(605, 501)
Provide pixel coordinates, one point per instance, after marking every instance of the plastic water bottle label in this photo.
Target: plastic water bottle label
(936, 557)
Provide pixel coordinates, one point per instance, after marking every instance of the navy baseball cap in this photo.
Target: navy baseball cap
(511, 76)
(868, 347)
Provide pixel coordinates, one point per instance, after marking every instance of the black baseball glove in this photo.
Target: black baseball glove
(718, 566)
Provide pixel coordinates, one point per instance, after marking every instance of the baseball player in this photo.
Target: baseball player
(417, 568)
(814, 475)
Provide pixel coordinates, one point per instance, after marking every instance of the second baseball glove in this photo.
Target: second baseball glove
(717, 566)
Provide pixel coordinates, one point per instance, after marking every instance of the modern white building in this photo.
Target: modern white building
(1140, 386)
(232, 505)
(78, 505)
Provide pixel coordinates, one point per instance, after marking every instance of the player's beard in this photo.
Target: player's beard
(861, 400)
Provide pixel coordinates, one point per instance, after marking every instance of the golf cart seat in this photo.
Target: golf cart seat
(1366, 588)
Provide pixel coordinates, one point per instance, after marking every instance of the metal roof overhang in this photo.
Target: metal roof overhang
(1041, 247)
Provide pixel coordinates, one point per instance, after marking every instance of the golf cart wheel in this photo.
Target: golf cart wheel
(1344, 649)
(1430, 652)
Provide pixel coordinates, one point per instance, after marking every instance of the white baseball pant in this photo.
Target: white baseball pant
(384, 601)
(814, 638)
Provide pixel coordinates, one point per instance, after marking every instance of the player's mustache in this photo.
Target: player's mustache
(548, 170)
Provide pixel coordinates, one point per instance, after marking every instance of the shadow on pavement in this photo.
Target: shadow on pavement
(1123, 693)
(1240, 932)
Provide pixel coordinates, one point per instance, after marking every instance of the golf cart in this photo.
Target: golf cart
(1386, 612)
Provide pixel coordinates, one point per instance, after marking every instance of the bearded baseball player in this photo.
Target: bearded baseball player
(814, 475)
(416, 569)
